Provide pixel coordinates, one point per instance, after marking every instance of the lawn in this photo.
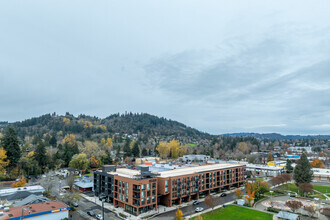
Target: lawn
(232, 212)
(192, 145)
(322, 189)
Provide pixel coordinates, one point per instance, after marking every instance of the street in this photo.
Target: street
(85, 206)
(189, 210)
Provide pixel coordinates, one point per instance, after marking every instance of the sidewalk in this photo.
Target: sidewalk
(161, 209)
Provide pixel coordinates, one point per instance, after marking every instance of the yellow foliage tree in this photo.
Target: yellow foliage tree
(1, 135)
(103, 127)
(19, 183)
(174, 148)
(3, 160)
(242, 146)
(69, 139)
(163, 149)
(178, 215)
(66, 121)
(94, 162)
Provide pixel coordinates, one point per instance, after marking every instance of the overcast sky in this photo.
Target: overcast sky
(218, 66)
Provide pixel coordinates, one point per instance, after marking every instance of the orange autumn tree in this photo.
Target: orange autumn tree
(238, 193)
(250, 193)
(19, 183)
(317, 163)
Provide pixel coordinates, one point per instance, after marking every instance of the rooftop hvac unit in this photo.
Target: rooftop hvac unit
(6, 209)
(1, 213)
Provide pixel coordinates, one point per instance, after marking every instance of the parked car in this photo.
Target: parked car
(199, 209)
(75, 204)
(99, 216)
(91, 213)
(223, 194)
(196, 202)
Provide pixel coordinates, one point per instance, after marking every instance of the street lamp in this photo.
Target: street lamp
(103, 200)
(271, 195)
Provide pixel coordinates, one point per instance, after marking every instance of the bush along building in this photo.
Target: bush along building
(138, 191)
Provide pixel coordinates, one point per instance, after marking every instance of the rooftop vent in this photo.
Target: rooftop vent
(53, 207)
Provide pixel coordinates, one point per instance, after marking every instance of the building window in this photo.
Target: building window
(126, 192)
(166, 183)
(148, 186)
(154, 185)
(166, 190)
(142, 187)
(142, 194)
(127, 185)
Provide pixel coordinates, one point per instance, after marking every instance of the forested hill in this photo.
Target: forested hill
(89, 126)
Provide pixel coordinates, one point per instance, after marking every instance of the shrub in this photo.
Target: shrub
(122, 215)
(271, 209)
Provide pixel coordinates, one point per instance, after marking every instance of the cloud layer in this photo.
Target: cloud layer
(215, 65)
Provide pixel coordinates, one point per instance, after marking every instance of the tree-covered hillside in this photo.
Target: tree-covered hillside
(88, 126)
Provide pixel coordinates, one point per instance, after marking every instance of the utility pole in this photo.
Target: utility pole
(103, 208)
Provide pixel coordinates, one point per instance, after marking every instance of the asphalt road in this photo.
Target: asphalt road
(189, 210)
(85, 206)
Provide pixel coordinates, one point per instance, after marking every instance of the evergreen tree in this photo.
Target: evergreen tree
(40, 155)
(127, 149)
(144, 152)
(107, 159)
(303, 172)
(11, 143)
(288, 167)
(136, 150)
(53, 141)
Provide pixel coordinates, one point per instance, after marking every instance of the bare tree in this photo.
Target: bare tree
(70, 181)
(48, 181)
(286, 177)
(294, 205)
(306, 187)
(210, 201)
(311, 210)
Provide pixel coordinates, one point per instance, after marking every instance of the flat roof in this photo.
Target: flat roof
(35, 210)
(124, 172)
(197, 169)
(266, 167)
(36, 188)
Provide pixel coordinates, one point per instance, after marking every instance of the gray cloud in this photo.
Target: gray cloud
(218, 66)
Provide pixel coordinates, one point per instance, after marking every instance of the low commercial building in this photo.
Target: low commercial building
(37, 189)
(193, 158)
(264, 170)
(321, 175)
(84, 185)
(138, 191)
(51, 210)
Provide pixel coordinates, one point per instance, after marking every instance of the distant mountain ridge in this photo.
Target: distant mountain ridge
(276, 136)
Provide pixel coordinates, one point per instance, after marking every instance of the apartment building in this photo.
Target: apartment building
(138, 191)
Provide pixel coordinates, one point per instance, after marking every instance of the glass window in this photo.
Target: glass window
(166, 182)
(166, 189)
(148, 186)
(142, 187)
(127, 192)
(119, 182)
(127, 185)
(142, 194)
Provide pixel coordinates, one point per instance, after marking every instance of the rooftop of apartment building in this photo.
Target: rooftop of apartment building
(176, 171)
